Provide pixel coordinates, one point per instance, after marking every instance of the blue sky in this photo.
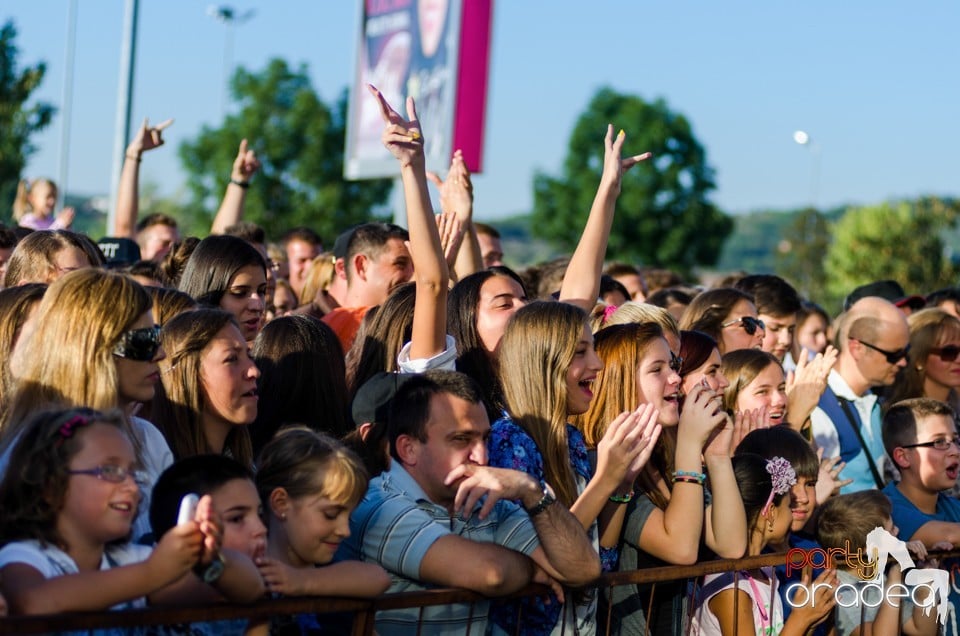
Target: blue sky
(874, 83)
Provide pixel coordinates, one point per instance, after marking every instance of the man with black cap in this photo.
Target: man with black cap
(888, 290)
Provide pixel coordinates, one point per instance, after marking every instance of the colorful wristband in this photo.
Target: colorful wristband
(680, 479)
(698, 477)
(622, 499)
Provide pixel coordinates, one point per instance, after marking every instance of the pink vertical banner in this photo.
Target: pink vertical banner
(472, 81)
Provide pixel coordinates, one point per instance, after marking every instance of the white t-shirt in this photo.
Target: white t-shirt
(51, 561)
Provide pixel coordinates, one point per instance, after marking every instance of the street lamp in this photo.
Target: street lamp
(804, 139)
(230, 18)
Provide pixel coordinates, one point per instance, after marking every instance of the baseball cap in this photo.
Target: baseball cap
(373, 399)
(888, 290)
(119, 251)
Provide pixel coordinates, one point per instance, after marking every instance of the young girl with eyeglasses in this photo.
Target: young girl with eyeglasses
(68, 503)
(93, 344)
(747, 602)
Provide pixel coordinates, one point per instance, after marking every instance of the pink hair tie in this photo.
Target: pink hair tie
(69, 428)
(608, 311)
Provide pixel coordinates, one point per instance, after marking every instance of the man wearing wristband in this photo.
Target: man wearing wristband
(440, 516)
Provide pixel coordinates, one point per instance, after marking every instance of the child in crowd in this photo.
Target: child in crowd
(68, 503)
(843, 524)
(235, 502)
(309, 484)
(920, 436)
(747, 602)
(34, 204)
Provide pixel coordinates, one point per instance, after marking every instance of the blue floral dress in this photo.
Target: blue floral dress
(510, 446)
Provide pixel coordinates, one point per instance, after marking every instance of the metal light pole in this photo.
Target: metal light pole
(804, 139)
(66, 100)
(229, 17)
(121, 131)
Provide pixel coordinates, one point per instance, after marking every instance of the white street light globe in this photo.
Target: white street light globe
(801, 137)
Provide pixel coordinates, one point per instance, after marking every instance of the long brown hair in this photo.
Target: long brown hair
(178, 405)
(537, 349)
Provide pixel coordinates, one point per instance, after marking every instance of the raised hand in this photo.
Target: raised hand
(245, 165)
(147, 138)
(451, 235)
(456, 193)
(807, 383)
(65, 218)
(402, 137)
(829, 482)
(613, 165)
(627, 444)
(177, 552)
(209, 525)
(702, 413)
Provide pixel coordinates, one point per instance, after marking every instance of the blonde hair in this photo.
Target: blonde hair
(307, 463)
(634, 312)
(178, 406)
(21, 203)
(536, 351)
(68, 360)
(34, 258)
(318, 278)
(16, 304)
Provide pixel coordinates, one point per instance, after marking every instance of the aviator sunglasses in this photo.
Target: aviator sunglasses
(138, 344)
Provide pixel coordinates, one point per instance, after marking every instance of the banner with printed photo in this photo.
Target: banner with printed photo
(415, 47)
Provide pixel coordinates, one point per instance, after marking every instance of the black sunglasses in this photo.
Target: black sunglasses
(892, 357)
(947, 354)
(749, 324)
(676, 362)
(138, 344)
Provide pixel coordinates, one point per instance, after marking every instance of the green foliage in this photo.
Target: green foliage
(300, 142)
(663, 215)
(902, 241)
(17, 120)
(800, 252)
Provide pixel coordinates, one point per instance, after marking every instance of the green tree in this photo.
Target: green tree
(18, 121)
(902, 241)
(800, 252)
(300, 142)
(663, 215)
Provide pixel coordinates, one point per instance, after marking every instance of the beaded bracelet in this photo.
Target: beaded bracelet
(687, 480)
(622, 499)
(699, 477)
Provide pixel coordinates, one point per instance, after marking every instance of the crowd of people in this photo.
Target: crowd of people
(404, 412)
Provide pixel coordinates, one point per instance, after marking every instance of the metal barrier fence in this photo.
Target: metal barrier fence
(363, 610)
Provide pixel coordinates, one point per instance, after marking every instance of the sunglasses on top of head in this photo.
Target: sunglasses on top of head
(138, 344)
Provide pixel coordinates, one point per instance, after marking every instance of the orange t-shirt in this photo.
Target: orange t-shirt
(345, 322)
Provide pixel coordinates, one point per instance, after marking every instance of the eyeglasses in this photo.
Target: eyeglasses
(749, 324)
(892, 357)
(676, 362)
(113, 474)
(947, 354)
(139, 344)
(940, 444)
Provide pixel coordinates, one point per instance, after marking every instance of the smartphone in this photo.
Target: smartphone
(188, 508)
